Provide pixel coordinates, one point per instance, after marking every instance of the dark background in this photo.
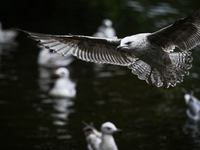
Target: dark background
(150, 119)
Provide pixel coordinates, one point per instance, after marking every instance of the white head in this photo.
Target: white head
(107, 22)
(127, 42)
(134, 42)
(62, 72)
(187, 98)
(109, 128)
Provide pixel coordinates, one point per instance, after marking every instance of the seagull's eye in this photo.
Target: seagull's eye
(128, 43)
(108, 128)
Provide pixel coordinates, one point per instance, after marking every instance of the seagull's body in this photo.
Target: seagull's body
(101, 140)
(149, 55)
(193, 104)
(63, 86)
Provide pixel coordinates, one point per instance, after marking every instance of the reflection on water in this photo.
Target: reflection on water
(192, 129)
(44, 80)
(61, 107)
(32, 119)
(62, 110)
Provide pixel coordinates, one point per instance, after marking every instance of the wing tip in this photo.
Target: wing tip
(18, 29)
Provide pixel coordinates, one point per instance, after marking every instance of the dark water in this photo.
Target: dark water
(31, 119)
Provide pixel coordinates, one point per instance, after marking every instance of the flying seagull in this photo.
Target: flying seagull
(101, 140)
(149, 55)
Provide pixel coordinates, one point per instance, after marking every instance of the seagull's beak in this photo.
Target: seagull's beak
(118, 48)
(118, 131)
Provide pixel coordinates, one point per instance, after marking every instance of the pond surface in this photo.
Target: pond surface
(150, 119)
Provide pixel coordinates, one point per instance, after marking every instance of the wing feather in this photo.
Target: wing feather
(184, 34)
(93, 49)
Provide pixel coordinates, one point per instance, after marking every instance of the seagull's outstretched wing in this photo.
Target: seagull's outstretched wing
(87, 48)
(184, 34)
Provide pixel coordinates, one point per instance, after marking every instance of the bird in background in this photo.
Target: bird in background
(101, 140)
(50, 59)
(63, 86)
(150, 56)
(193, 106)
(105, 30)
(7, 36)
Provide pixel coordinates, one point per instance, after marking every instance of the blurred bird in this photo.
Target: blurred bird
(50, 59)
(105, 30)
(193, 104)
(149, 55)
(63, 86)
(101, 140)
(7, 36)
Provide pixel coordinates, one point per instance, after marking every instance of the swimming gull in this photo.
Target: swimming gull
(105, 30)
(63, 86)
(193, 104)
(101, 140)
(7, 36)
(149, 55)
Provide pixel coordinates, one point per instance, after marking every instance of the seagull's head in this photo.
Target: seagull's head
(62, 72)
(126, 43)
(109, 128)
(107, 22)
(189, 97)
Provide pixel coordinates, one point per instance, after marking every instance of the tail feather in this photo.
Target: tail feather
(172, 74)
(141, 69)
(156, 78)
(144, 72)
(181, 62)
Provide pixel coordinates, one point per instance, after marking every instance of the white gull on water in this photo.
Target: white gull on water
(63, 86)
(7, 36)
(150, 56)
(105, 30)
(193, 106)
(101, 140)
